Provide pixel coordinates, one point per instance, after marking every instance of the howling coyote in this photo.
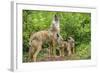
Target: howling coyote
(38, 38)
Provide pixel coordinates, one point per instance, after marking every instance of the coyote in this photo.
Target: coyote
(38, 38)
(69, 45)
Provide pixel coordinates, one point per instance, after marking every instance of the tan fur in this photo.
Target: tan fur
(69, 45)
(37, 39)
(63, 46)
(71, 42)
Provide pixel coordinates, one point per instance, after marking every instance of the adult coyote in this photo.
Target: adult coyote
(38, 38)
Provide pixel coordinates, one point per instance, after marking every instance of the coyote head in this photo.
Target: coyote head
(55, 25)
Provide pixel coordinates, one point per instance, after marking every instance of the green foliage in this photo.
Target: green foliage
(73, 24)
(83, 51)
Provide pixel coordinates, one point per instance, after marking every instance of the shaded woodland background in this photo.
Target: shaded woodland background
(75, 24)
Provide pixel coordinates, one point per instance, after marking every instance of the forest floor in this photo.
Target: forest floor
(57, 58)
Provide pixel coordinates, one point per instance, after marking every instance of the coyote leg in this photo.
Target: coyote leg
(36, 53)
(31, 51)
(61, 52)
(48, 52)
(54, 49)
(69, 51)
